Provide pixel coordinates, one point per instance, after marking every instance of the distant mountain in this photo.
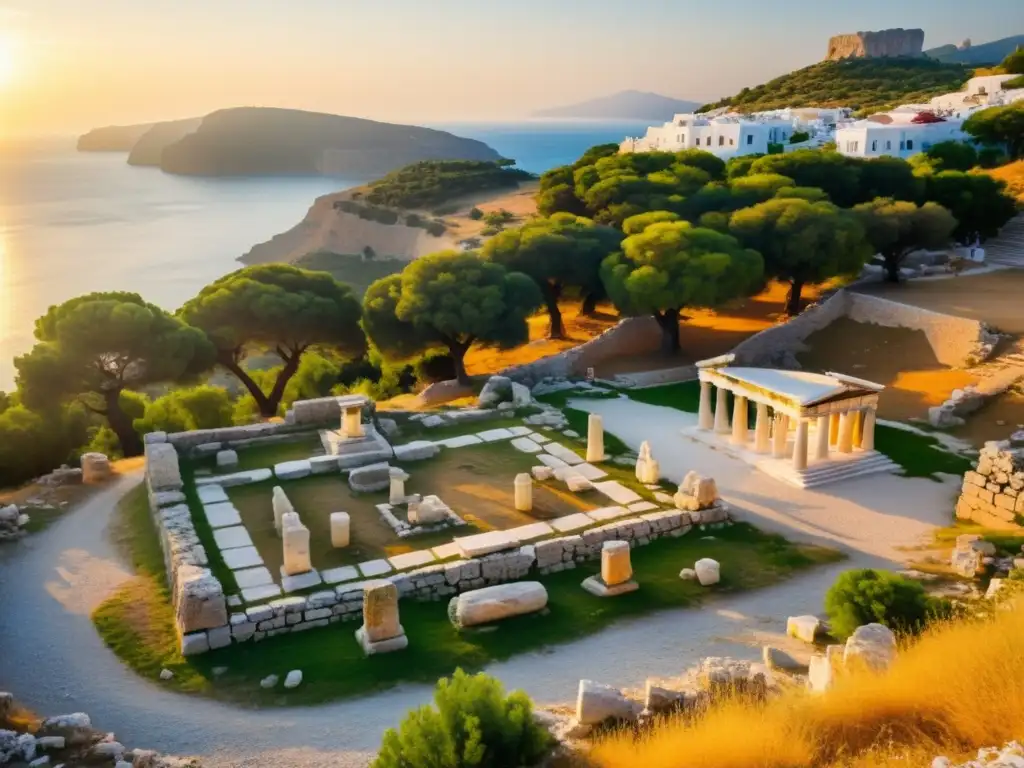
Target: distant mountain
(977, 55)
(861, 84)
(258, 141)
(627, 105)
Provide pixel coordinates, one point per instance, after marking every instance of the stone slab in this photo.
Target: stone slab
(571, 522)
(255, 594)
(300, 580)
(245, 557)
(253, 577)
(567, 455)
(337, 575)
(598, 588)
(375, 568)
(551, 461)
(521, 431)
(323, 465)
(494, 435)
(642, 506)
(589, 471)
(446, 551)
(235, 537)
(458, 442)
(532, 531)
(411, 559)
(664, 498)
(222, 515)
(538, 438)
(607, 513)
(211, 494)
(371, 647)
(236, 478)
(617, 492)
(486, 543)
(526, 445)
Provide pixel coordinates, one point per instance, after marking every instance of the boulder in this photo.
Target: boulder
(804, 628)
(293, 679)
(521, 396)
(497, 389)
(227, 459)
(688, 574)
(371, 478)
(708, 571)
(95, 468)
(597, 704)
(480, 606)
(269, 681)
(872, 646)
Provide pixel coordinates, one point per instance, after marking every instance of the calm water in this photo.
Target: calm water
(71, 223)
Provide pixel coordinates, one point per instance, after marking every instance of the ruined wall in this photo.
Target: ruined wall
(866, 45)
(993, 494)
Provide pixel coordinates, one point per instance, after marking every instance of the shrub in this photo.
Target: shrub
(436, 228)
(799, 136)
(992, 157)
(413, 220)
(498, 217)
(489, 230)
(866, 596)
(202, 407)
(474, 724)
(475, 213)
(776, 149)
(446, 210)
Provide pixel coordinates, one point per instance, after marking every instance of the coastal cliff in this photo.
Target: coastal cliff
(869, 45)
(149, 149)
(112, 138)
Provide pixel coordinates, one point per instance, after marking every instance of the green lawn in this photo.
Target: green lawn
(683, 396)
(578, 421)
(137, 623)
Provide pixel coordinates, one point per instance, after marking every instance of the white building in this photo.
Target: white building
(725, 136)
(986, 91)
(897, 138)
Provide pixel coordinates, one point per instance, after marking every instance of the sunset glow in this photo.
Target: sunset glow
(8, 64)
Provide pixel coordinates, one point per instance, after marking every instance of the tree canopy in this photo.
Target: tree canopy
(433, 182)
(563, 251)
(96, 346)
(280, 308)
(449, 299)
(977, 201)
(671, 265)
(999, 125)
(895, 228)
(802, 242)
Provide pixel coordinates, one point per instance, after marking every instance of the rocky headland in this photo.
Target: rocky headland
(870, 45)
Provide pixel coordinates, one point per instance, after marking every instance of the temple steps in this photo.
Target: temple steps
(825, 472)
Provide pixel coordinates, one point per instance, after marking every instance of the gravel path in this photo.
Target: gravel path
(52, 659)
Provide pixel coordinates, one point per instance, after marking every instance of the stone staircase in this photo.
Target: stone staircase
(1007, 249)
(824, 472)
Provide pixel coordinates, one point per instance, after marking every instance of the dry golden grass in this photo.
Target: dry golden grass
(958, 688)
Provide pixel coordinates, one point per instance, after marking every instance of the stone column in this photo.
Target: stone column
(858, 432)
(595, 438)
(295, 538)
(722, 411)
(739, 421)
(800, 447)
(352, 422)
(340, 528)
(846, 431)
(833, 429)
(762, 441)
(780, 436)
(381, 631)
(524, 492)
(821, 438)
(398, 477)
(867, 441)
(616, 571)
(705, 417)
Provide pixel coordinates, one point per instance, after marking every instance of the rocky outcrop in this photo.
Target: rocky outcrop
(868, 45)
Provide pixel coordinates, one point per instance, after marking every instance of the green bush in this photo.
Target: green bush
(181, 410)
(866, 596)
(498, 217)
(799, 136)
(472, 725)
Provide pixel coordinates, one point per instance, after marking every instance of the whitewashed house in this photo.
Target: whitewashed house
(986, 91)
(897, 137)
(725, 136)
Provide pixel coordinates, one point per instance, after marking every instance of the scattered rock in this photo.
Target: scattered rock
(597, 704)
(166, 674)
(269, 681)
(804, 628)
(776, 659)
(293, 679)
(688, 574)
(708, 571)
(872, 646)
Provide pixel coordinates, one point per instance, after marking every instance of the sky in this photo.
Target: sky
(70, 65)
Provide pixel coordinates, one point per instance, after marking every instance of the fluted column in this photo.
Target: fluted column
(740, 433)
(867, 441)
(780, 435)
(722, 411)
(762, 441)
(846, 431)
(706, 418)
(800, 446)
(821, 438)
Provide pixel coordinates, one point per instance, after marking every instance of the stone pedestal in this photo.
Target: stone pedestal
(352, 421)
(616, 572)
(524, 492)
(340, 529)
(295, 539)
(398, 477)
(595, 438)
(381, 631)
(95, 468)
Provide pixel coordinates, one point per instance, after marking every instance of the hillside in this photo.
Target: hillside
(149, 149)
(626, 105)
(431, 183)
(856, 83)
(977, 55)
(112, 138)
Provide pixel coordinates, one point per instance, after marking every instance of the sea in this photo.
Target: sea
(73, 222)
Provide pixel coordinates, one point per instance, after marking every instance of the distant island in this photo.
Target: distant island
(259, 141)
(626, 105)
(977, 55)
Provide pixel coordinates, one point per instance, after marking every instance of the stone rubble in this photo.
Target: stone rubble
(991, 493)
(12, 523)
(1010, 755)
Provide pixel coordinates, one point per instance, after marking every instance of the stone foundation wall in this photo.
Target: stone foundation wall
(776, 346)
(992, 494)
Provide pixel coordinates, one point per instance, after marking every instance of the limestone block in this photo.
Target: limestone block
(804, 628)
(340, 529)
(281, 506)
(872, 646)
(397, 477)
(578, 484)
(708, 571)
(974, 479)
(501, 601)
(820, 674)
(162, 467)
(595, 438)
(199, 600)
(523, 487)
(542, 473)
(705, 491)
(381, 631)
(227, 459)
(521, 395)
(650, 472)
(615, 563)
(293, 470)
(429, 511)
(416, 451)
(295, 538)
(496, 389)
(658, 699)
(597, 703)
(95, 468)
(373, 477)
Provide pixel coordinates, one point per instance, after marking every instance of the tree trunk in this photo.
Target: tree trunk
(291, 365)
(668, 321)
(589, 306)
(892, 268)
(458, 353)
(266, 409)
(552, 293)
(131, 443)
(793, 307)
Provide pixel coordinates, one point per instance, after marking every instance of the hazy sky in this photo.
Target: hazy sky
(75, 64)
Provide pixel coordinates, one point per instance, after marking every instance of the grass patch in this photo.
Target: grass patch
(918, 455)
(578, 421)
(266, 456)
(1008, 542)
(683, 396)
